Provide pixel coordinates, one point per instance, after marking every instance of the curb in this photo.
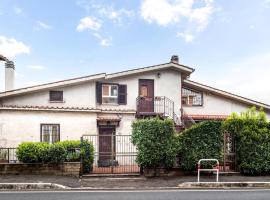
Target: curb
(32, 186)
(216, 185)
(186, 185)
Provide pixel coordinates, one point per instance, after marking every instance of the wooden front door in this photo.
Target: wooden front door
(146, 94)
(106, 146)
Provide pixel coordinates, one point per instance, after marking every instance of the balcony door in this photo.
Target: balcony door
(146, 95)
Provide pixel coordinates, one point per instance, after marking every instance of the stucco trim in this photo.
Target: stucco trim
(222, 93)
(66, 109)
(206, 117)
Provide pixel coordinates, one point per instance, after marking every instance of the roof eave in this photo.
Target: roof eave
(51, 85)
(226, 94)
(186, 70)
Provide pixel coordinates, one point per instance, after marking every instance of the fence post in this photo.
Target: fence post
(8, 155)
(81, 159)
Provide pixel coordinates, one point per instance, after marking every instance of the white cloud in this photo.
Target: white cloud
(103, 41)
(9, 47)
(248, 77)
(18, 10)
(186, 36)
(36, 67)
(89, 23)
(114, 15)
(194, 14)
(42, 25)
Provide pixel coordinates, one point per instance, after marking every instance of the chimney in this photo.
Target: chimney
(175, 59)
(9, 75)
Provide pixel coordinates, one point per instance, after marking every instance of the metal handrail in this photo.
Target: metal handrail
(161, 105)
(213, 169)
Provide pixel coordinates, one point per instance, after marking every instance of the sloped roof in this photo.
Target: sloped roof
(184, 69)
(223, 93)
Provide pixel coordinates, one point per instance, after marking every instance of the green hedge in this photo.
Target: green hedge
(31, 152)
(38, 152)
(155, 142)
(203, 140)
(53, 154)
(87, 155)
(252, 134)
(70, 146)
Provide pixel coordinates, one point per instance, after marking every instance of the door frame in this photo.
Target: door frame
(153, 90)
(112, 139)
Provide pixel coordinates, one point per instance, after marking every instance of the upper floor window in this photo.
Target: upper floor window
(191, 97)
(56, 96)
(109, 93)
(50, 133)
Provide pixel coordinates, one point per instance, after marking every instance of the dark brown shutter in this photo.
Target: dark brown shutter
(99, 92)
(122, 94)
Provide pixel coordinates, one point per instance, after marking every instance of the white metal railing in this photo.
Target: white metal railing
(215, 169)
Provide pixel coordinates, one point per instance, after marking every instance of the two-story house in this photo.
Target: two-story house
(107, 104)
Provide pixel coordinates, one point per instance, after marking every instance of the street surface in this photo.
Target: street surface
(140, 195)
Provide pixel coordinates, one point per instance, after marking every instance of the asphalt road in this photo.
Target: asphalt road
(138, 195)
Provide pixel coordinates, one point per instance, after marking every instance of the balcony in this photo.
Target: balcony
(158, 106)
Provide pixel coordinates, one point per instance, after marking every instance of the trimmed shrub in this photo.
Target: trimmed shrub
(37, 152)
(155, 141)
(87, 155)
(70, 147)
(54, 154)
(70, 144)
(201, 141)
(32, 152)
(252, 135)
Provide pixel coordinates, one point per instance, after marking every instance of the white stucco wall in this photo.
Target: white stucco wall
(217, 105)
(20, 126)
(82, 95)
(169, 85)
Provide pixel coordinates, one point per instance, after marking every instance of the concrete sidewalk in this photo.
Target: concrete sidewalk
(125, 182)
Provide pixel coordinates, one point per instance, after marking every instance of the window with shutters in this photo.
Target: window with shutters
(56, 96)
(50, 133)
(192, 97)
(109, 94)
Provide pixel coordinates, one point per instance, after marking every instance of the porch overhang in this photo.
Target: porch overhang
(111, 120)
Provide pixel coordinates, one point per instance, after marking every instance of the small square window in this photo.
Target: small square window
(56, 96)
(109, 94)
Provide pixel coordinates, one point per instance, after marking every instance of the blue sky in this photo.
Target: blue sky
(227, 42)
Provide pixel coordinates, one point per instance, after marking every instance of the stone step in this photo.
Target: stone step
(129, 175)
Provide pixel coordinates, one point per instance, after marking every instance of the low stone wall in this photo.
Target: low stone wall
(66, 168)
(160, 172)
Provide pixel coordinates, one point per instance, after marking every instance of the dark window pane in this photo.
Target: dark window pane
(56, 95)
(50, 133)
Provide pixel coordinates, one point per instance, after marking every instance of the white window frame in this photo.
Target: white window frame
(110, 95)
(188, 97)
